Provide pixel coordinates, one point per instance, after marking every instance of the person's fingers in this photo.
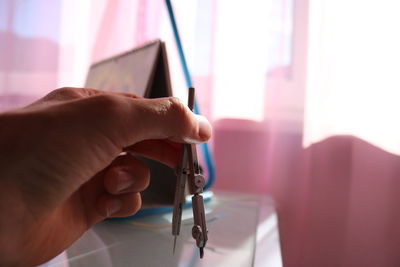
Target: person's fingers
(90, 193)
(99, 204)
(164, 151)
(118, 206)
(126, 174)
(127, 120)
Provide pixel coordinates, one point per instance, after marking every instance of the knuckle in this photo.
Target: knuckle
(178, 109)
(175, 104)
(182, 114)
(106, 100)
(63, 93)
(109, 105)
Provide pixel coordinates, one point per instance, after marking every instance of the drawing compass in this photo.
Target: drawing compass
(189, 172)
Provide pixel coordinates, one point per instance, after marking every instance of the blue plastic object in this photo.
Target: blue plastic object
(204, 147)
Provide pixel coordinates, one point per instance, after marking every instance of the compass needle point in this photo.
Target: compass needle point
(173, 250)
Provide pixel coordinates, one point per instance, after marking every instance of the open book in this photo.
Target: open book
(144, 72)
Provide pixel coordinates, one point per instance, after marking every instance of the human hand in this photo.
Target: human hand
(61, 168)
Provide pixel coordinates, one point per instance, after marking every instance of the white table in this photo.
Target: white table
(243, 231)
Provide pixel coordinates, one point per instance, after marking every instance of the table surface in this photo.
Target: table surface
(243, 231)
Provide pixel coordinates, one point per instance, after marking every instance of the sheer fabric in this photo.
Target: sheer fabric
(302, 94)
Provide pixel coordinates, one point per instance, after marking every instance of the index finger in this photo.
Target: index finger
(126, 121)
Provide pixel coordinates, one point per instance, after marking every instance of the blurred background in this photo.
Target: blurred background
(303, 95)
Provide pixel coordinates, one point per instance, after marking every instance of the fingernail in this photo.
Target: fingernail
(124, 181)
(113, 206)
(204, 128)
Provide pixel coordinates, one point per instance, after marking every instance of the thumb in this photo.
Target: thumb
(168, 118)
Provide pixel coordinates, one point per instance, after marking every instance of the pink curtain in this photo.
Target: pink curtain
(270, 77)
(28, 51)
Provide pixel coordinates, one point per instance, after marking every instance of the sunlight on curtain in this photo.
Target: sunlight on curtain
(231, 46)
(75, 42)
(28, 48)
(353, 75)
(98, 29)
(240, 59)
